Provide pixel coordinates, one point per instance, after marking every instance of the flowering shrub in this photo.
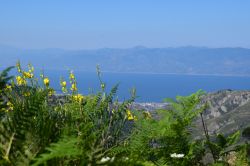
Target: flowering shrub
(80, 131)
(96, 129)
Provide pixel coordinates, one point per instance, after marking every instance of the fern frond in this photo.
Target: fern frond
(112, 93)
(4, 78)
(17, 128)
(66, 147)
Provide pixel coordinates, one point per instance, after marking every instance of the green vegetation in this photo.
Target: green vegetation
(98, 130)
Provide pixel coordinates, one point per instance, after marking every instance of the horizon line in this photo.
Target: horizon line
(122, 48)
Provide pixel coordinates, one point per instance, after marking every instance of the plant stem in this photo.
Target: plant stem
(207, 136)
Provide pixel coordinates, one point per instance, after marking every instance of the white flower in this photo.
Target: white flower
(105, 159)
(174, 155)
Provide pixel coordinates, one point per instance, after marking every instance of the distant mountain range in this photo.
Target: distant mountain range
(180, 60)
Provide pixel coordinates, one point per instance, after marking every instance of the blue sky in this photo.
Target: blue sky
(82, 24)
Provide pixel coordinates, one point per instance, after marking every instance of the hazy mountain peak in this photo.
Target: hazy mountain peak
(181, 60)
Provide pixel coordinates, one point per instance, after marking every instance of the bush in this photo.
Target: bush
(96, 129)
(80, 131)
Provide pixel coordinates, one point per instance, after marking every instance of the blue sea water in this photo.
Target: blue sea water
(151, 87)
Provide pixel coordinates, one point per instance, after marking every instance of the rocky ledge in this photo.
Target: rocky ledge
(229, 111)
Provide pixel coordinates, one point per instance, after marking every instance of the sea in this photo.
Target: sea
(150, 87)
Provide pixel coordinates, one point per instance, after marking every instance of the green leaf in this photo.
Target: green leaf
(221, 140)
(65, 147)
(233, 138)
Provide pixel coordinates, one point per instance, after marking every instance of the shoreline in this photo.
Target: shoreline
(144, 73)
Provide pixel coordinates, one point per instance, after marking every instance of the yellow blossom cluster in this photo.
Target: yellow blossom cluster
(78, 98)
(63, 86)
(28, 75)
(73, 87)
(8, 87)
(71, 76)
(73, 82)
(130, 116)
(20, 81)
(63, 83)
(46, 81)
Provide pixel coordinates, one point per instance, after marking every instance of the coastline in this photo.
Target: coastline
(144, 73)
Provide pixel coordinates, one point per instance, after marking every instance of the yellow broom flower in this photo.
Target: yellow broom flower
(8, 87)
(20, 80)
(73, 87)
(27, 75)
(78, 98)
(129, 115)
(46, 81)
(71, 76)
(63, 83)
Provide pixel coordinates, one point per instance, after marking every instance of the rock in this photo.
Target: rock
(229, 111)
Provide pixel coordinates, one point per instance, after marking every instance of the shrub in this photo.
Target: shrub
(96, 129)
(80, 131)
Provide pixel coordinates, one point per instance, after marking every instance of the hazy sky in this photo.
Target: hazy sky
(75, 24)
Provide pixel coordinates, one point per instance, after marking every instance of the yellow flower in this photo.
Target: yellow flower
(20, 80)
(71, 76)
(63, 83)
(8, 87)
(78, 98)
(46, 81)
(129, 115)
(27, 75)
(73, 87)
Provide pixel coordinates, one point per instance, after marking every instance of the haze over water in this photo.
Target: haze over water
(29, 28)
(153, 87)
